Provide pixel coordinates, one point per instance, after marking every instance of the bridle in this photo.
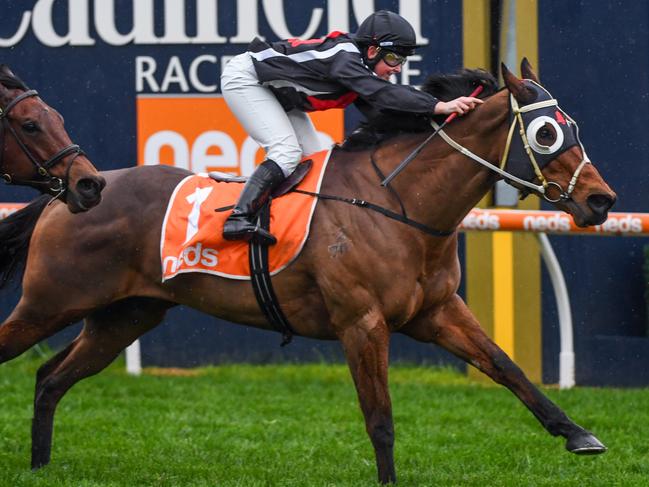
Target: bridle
(517, 112)
(51, 183)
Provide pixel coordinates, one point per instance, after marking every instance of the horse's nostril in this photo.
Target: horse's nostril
(600, 203)
(91, 187)
(86, 185)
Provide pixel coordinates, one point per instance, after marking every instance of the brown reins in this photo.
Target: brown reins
(51, 183)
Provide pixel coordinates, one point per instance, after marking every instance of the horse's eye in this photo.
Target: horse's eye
(30, 127)
(546, 135)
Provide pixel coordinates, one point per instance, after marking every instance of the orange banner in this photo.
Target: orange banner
(201, 134)
(7, 209)
(628, 224)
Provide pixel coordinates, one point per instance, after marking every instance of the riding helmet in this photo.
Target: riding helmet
(389, 31)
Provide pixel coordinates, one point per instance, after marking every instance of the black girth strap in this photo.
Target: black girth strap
(261, 282)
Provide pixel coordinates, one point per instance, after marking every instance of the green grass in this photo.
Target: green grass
(293, 425)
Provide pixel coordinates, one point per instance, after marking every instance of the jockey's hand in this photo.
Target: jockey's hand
(461, 105)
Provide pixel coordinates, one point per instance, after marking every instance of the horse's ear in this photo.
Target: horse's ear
(516, 87)
(4, 69)
(527, 72)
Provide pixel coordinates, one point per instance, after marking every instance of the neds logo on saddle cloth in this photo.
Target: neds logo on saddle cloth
(191, 231)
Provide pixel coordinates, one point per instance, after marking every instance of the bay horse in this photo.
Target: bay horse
(360, 277)
(36, 150)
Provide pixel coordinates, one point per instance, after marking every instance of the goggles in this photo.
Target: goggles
(392, 59)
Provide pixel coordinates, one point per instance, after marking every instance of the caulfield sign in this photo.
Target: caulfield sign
(181, 118)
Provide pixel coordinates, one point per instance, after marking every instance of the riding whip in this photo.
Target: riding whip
(415, 152)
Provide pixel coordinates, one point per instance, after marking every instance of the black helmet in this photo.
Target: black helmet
(389, 31)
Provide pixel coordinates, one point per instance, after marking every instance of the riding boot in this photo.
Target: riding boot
(241, 225)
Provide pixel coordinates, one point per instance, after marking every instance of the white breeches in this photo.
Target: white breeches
(285, 137)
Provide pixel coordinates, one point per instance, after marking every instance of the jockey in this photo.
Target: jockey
(271, 86)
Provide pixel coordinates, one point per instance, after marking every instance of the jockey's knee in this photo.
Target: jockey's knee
(286, 157)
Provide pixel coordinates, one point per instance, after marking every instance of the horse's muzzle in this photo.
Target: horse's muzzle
(87, 192)
(599, 204)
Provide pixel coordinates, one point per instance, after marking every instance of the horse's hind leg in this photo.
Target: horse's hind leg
(454, 327)
(105, 334)
(26, 326)
(366, 348)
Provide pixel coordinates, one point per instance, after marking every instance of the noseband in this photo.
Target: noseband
(51, 183)
(517, 112)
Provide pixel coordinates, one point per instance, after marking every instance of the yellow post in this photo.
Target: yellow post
(476, 36)
(503, 269)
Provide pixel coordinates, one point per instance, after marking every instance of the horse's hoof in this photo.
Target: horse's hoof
(38, 464)
(584, 443)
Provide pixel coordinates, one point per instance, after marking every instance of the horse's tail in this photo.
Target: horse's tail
(15, 233)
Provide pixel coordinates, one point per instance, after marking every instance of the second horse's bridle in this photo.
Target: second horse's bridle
(51, 183)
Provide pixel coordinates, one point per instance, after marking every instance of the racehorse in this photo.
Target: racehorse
(36, 151)
(360, 277)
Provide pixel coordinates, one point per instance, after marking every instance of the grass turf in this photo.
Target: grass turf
(289, 425)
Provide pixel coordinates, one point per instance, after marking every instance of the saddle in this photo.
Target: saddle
(286, 186)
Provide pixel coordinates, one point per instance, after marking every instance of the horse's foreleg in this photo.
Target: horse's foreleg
(366, 349)
(454, 327)
(105, 334)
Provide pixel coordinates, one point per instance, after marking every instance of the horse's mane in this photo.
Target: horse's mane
(15, 233)
(386, 124)
(10, 80)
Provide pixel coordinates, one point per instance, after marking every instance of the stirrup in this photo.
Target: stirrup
(250, 232)
(263, 237)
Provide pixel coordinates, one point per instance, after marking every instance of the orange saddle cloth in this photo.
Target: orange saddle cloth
(191, 238)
